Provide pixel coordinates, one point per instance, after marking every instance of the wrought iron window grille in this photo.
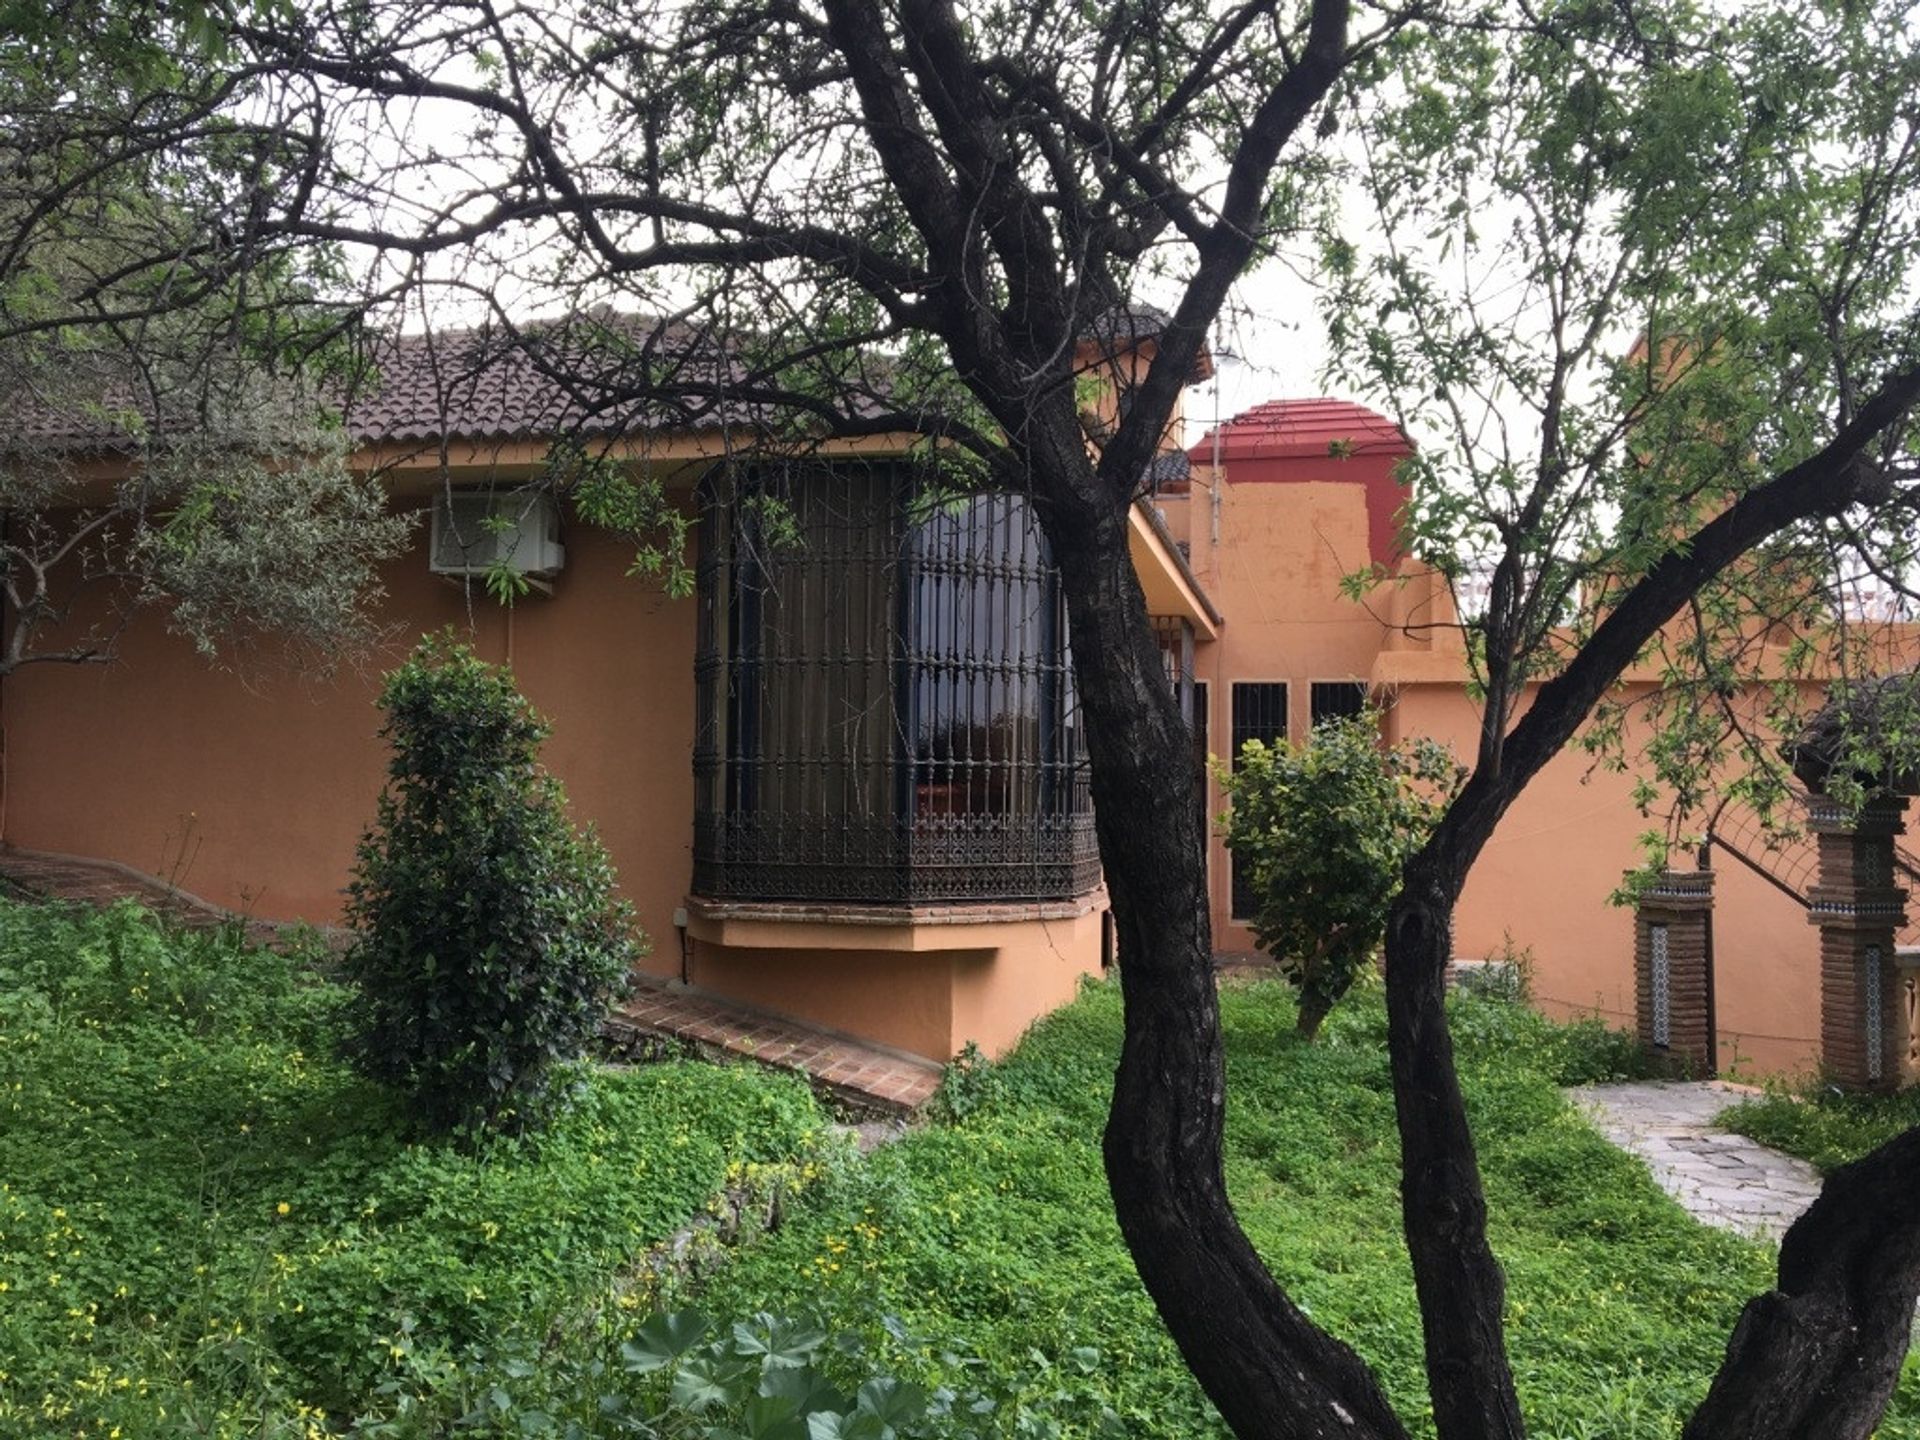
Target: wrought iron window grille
(1335, 700)
(885, 700)
(1258, 712)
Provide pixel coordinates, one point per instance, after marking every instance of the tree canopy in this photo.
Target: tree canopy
(135, 325)
(930, 218)
(1621, 270)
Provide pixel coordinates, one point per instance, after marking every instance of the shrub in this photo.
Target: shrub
(1822, 1125)
(207, 1222)
(1585, 1051)
(967, 1084)
(1324, 828)
(490, 942)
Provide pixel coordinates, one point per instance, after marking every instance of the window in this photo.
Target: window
(1174, 636)
(885, 698)
(1335, 699)
(1200, 777)
(1259, 713)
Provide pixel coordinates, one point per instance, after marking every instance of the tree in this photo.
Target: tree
(197, 371)
(1645, 280)
(907, 218)
(242, 517)
(1323, 828)
(490, 941)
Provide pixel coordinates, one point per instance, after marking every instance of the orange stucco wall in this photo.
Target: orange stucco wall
(1544, 880)
(1275, 573)
(981, 983)
(1542, 883)
(252, 791)
(905, 1001)
(1050, 956)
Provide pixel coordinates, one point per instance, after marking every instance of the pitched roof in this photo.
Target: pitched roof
(595, 374)
(1168, 470)
(1298, 429)
(1121, 327)
(592, 376)
(85, 404)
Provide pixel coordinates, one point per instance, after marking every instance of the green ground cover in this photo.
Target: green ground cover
(993, 1236)
(208, 1226)
(1822, 1125)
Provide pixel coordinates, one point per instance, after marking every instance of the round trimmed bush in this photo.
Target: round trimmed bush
(1324, 828)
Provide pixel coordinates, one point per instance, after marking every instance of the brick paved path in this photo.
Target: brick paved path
(870, 1078)
(37, 875)
(1720, 1178)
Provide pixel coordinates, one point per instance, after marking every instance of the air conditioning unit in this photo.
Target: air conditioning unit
(474, 531)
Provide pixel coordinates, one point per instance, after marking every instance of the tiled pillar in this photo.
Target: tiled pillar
(1673, 989)
(1863, 1022)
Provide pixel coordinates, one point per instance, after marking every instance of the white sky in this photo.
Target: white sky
(1269, 343)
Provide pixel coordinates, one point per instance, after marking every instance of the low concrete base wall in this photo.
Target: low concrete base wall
(928, 988)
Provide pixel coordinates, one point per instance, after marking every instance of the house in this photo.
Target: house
(845, 780)
(1288, 497)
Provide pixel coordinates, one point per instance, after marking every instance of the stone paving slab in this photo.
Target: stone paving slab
(1720, 1178)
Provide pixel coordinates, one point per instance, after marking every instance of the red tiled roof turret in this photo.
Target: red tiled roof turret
(1299, 429)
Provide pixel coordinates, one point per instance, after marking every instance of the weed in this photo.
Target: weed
(205, 1218)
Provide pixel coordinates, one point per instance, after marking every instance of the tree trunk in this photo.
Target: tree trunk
(1314, 1009)
(1818, 1357)
(1443, 1210)
(1268, 1368)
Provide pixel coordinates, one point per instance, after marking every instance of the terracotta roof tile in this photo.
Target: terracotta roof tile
(594, 374)
(579, 378)
(40, 419)
(584, 376)
(1302, 428)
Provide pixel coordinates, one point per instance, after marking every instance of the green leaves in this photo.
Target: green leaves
(611, 496)
(274, 532)
(1324, 828)
(710, 1378)
(1625, 266)
(891, 1403)
(490, 937)
(663, 1339)
(763, 1375)
(780, 1343)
